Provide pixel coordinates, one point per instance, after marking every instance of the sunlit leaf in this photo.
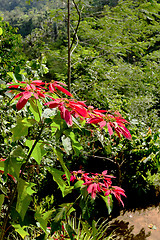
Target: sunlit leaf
(20, 230)
(1, 200)
(38, 151)
(24, 198)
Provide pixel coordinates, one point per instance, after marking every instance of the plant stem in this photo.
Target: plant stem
(15, 189)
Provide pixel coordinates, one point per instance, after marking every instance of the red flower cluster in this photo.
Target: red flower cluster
(33, 89)
(98, 183)
(69, 107)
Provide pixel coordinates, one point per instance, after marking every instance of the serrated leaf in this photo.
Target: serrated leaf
(65, 208)
(43, 219)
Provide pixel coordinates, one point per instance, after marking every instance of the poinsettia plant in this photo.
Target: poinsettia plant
(33, 99)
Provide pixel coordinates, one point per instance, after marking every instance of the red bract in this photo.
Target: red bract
(32, 89)
(93, 189)
(98, 183)
(54, 84)
(116, 122)
(117, 192)
(68, 108)
(65, 114)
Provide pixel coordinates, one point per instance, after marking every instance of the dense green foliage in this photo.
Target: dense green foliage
(115, 66)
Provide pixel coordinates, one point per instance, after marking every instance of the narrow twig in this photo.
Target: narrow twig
(76, 43)
(108, 159)
(76, 30)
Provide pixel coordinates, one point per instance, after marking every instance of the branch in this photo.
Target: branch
(108, 159)
(76, 30)
(76, 42)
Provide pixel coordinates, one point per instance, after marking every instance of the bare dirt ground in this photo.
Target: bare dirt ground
(138, 224)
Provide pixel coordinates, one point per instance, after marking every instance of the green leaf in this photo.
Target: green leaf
(70, 231)
(12, 166)
(78, 184)
(24, 197)
(1, 31)
(2, 165)
(1, 200)
(108, 202)
(43, 218)
(11, 74)
(94, 230)
(18, 152)
(59, 154)
(75, 144)
(54, 127)
(21, 129)
(36, 109)
(4, 190)
(20, 230)
(38, 151)
(64, 210)
(87, 228)
(57, 177)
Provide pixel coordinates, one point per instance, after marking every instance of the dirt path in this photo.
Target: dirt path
(138, 224)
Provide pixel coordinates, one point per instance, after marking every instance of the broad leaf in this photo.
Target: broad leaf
(59, 154)
(75, 144)
(78, 184)
(36, 109)
(38, 151)
(43, 219)
(20, 230)
(108, 201)
(17, 152)
(57, 177)
(11, 74)
(12, 166)
(24, 197)
(21, 129)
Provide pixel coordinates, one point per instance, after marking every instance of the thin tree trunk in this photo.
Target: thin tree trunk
(69, 50)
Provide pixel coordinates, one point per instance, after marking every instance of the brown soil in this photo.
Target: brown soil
(138, 224)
